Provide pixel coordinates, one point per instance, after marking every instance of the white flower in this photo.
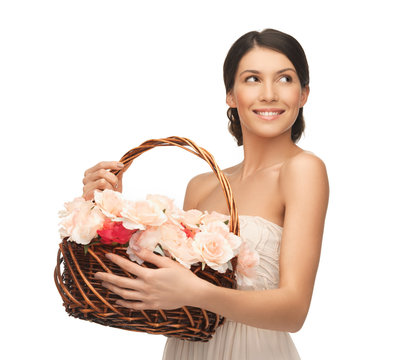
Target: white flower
(110, 203)
(81, 220)
(214, 250)
(139, 214)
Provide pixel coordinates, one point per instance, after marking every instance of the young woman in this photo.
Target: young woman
(280, 190)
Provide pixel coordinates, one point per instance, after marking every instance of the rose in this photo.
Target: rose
(190, 219)
(162, 202)
(72, 205)
(218, 227)
(214, 250)
(139, 214)
(81, 220)
(147, 239)
(110, 202)
(213, 216)
(247, 263)
(173, 240)
(114, 232)
(177, 242)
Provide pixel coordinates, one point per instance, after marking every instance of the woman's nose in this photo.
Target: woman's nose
(269, 92)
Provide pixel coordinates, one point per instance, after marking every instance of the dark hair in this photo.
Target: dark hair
(274, 40)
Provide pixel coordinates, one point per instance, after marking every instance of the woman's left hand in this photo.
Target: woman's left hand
(171, 286)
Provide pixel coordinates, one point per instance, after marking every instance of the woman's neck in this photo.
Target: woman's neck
(261, 153)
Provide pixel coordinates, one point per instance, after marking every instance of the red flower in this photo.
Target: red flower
(114, 232)
(190, 233)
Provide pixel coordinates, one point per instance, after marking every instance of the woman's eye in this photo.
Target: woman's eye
(252, 78)
(285, 79)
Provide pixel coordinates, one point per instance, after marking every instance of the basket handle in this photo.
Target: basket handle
(190, 146)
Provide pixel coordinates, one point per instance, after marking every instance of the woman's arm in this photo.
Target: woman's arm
(304, 183)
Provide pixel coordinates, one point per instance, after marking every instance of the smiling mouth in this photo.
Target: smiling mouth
(269, 113)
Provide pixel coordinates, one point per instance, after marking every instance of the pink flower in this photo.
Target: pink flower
(190, 218)
(214, 250)
(218, 227)
(175, 241)
(214, 216)
(162, 202)
(81, 220)
(247, 263)
(110, 202)
(71, 206)
(147, 239)
(114, 232)
(139, 214)
(171, 238)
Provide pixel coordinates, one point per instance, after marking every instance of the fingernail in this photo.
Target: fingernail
(109, 256)
(120, 165)
(97, 276)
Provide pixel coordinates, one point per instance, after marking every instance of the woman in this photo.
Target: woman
(282, 191)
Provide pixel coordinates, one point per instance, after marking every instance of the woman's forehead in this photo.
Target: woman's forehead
(264, 60)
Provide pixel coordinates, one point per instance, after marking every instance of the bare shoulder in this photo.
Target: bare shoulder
(305, 170)
(201, 185)
(198, 187)
(304, 163)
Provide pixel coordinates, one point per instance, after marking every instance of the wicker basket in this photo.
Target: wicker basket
(85, 298)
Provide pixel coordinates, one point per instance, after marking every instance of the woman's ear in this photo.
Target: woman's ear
(230, 100)
(304, 96)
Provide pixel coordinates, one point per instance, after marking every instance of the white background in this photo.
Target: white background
(85, 81)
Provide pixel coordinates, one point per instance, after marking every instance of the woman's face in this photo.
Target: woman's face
(267, 93)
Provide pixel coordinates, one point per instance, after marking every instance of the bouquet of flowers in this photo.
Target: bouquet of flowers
(189, 237)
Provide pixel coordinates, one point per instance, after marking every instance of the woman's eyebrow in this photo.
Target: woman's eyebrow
(258, 72)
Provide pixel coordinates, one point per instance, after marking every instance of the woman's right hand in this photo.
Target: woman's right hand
(99, 177)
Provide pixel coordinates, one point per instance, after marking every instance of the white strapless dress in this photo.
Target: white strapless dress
(236, 341)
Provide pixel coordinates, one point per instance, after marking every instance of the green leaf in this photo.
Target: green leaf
(226, 222)
(203, 266)
(86, 247)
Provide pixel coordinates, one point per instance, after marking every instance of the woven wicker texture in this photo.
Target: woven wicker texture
(85, 298)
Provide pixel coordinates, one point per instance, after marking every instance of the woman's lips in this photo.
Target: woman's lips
(269, 114)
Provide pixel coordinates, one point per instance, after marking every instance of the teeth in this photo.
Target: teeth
(268, 113)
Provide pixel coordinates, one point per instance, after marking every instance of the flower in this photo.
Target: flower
(213, 216)
(162, 202)
(178, 244)
(81, 220)
(218, 227)
(190, 218)
(214, 250)
(156, 224)
(147, 239)
(110, 202)
(139, 214)
(71, 206)
(114, 232)
(247, 263)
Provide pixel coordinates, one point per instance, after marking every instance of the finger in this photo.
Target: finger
(88, 190)
(120, 281)
(124, 293)
(101, 174)
(130, 266)
(110, 165)
(158, 260)
(135, 305)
